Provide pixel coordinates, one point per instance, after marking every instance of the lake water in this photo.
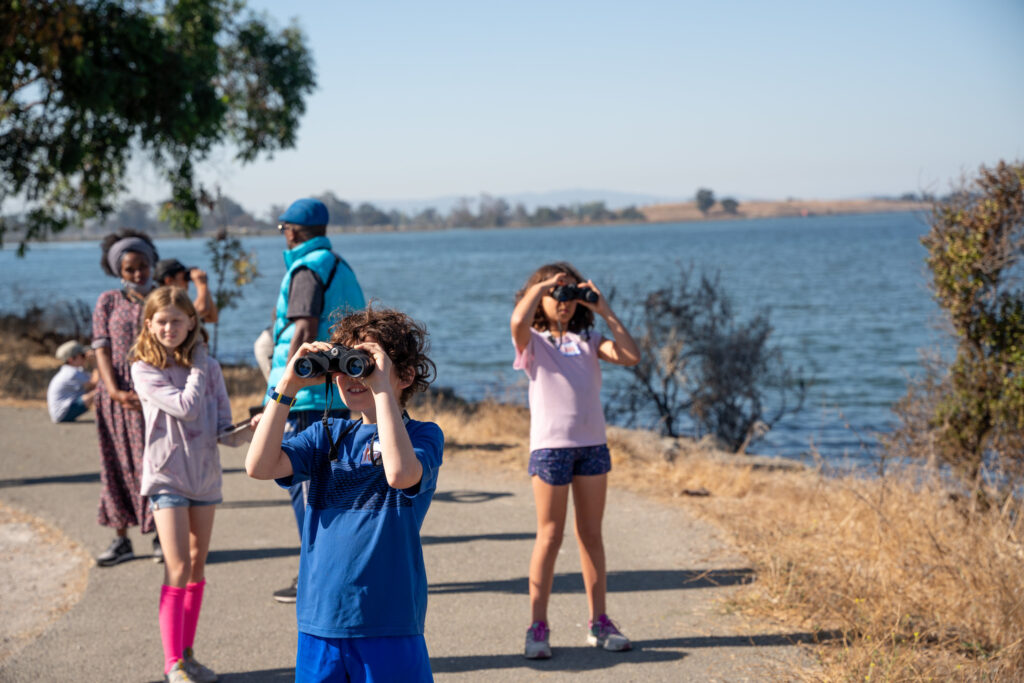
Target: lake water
(848, 297)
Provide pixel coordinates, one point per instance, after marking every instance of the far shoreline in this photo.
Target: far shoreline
(683, 212)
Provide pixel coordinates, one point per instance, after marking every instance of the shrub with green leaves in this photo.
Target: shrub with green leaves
(975, 255)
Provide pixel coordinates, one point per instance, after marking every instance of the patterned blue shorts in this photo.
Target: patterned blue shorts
(557, 466)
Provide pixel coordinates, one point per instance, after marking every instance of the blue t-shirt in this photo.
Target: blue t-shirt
(361, 570)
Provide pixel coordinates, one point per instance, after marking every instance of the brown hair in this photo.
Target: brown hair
(582, 319)
(147, 349)
(401, 337)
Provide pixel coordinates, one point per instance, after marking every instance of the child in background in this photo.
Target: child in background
(559, 352)
(185, 406)
(72, 390)
(362, 587)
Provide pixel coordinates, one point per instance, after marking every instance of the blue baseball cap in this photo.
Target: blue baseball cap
(307, 212)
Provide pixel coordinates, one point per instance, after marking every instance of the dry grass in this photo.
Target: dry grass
(917, 586)
(907, 582)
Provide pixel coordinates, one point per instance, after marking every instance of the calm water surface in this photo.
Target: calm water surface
(848, 298)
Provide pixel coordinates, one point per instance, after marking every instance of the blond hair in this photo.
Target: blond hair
(146, 347)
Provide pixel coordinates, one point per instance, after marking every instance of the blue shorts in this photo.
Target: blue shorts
(557, 466)
(397, 658)
(162, 501)
(76, 408)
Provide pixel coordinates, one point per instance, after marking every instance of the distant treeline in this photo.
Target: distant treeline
(483, 212)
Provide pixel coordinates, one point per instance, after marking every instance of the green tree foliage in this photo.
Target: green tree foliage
(698, 362)
(339, 211)
(975, 247)
(368, 214)
(705, 200)
(730, 205)
(84, 84)
(631, 213)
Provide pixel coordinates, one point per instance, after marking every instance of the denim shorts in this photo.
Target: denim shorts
(557, 466)
(161, 501)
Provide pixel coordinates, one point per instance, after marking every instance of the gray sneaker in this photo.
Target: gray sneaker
(119, 551)
(537, 641)
(198, 672)
(178, 674)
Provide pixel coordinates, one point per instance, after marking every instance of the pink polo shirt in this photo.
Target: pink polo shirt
(565, 390)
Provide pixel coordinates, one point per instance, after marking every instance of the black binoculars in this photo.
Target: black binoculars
(570, 292)
(338, 359)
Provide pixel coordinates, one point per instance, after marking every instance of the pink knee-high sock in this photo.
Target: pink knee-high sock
(193, 603)
(172, 623)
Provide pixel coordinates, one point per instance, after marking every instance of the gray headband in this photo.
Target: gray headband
(119, 248)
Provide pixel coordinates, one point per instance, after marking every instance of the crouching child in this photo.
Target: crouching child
(362, 588)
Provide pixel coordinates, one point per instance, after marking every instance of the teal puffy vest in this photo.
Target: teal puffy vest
(341, 292)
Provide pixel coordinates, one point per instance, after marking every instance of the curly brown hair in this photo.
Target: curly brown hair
(582, 319)
(401, 337)
(112, 238)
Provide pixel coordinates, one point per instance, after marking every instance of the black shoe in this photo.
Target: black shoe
(158, 553)
(288, 594)
(119, 551)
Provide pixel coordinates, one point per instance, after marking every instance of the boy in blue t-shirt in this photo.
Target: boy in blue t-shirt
(362, 590)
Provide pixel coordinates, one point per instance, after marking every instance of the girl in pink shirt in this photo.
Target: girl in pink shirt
(185, 406)
(555, 346)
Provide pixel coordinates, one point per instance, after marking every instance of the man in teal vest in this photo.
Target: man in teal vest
(318, 284)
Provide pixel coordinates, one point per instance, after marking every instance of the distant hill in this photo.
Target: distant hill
(613, 199)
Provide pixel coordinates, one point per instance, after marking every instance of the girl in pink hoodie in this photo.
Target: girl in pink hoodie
(186, 410)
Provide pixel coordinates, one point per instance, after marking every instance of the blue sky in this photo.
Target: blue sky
(768, 100)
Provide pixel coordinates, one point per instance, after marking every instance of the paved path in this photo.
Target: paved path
(669, 575)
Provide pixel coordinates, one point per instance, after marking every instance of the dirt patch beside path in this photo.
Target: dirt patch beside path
(43, 574)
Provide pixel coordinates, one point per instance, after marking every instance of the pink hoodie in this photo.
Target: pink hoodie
(184, 409)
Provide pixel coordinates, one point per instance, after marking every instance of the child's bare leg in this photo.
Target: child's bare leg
(172, 526)
(551, 503)
(589, 493)
(201, 529)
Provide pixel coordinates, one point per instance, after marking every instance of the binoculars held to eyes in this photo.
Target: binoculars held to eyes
(338, 359)
(570, 292)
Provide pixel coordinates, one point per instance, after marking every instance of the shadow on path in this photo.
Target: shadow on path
(244, 555)
(469, 538)
(246, 504)
(83, 478)
(469, 496)
(585, 658)
(565, 659)
(618, 582)
(764, 640)
(268, 675)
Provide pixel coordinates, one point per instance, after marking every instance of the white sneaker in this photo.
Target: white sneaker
(537, 641)
(604, 634)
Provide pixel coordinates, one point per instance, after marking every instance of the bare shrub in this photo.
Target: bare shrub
(42, 329)
(699, 362)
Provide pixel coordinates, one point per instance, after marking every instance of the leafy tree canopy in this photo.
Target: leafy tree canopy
(84, 84)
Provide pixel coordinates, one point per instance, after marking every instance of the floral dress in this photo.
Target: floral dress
(116, 321)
